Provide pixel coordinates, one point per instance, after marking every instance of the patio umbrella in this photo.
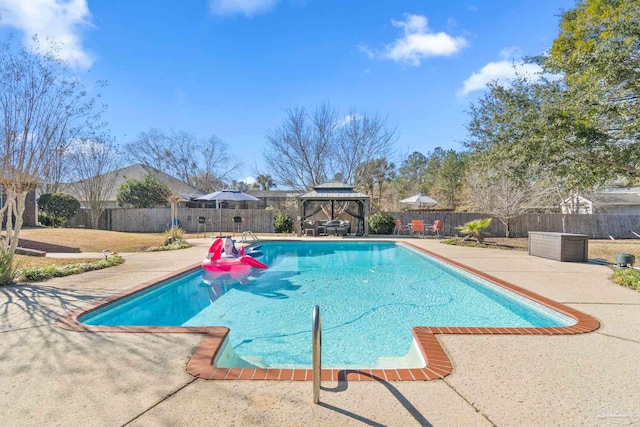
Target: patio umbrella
(225, 195)
(420, 200)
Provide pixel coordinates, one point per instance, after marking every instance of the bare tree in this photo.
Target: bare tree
(93, 162)
(215, 167)
(299, 152)
(497, 193)
(43, 107)
(362, 139)
(205, 164)
(55, 172)
(372, 173)
(240, 185)
(150, 148)
(310, 147)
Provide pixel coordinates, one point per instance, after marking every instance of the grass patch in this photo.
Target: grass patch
(608, 249)
(24, 261)
(38, 274)
(627, 277)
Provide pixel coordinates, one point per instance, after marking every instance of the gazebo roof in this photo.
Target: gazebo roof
(333, 191)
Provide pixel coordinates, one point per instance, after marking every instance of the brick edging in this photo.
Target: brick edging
(438, 364)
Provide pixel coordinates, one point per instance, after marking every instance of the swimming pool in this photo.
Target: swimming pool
(371, 295)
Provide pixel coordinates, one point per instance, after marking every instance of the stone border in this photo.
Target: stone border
(437, 365)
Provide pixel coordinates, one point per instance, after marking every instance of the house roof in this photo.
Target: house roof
(272, 194)
(615, 199)
(604, 199)
(138, 171)
(624, 190)
(333, 191)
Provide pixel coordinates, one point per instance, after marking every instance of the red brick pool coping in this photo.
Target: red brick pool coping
(437, 365)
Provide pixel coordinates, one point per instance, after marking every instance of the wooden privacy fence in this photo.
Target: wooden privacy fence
(261, 221)
(595, 226)
(155, 220)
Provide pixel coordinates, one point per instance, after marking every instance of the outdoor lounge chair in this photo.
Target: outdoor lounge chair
(417, 227)
(309, 228)
(399, 228)
(436, 228)
(335, 227)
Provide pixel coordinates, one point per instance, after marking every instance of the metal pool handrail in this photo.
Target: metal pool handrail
(250, 234)
(316, 332)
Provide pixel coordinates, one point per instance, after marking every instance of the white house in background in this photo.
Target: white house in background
(625, 201)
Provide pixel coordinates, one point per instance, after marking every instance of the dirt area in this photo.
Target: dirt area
(94, 240)
(601, 249)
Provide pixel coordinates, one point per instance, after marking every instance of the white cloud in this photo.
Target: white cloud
(86, 147)
(249, 180)
(500, 71)
(243, 7)
(60, 20)
(348, 119)
(418, 42)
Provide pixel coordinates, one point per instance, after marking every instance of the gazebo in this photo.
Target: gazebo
(332, 192)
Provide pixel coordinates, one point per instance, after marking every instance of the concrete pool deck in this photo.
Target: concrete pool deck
(52, 376)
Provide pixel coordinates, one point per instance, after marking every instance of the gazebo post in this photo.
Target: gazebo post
(366, 218)
(301, 210)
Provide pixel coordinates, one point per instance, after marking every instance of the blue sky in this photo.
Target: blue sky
(232, 67)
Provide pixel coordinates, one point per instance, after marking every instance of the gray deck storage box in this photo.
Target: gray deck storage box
(562, 247)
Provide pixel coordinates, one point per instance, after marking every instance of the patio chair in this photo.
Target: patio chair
(417, 227)
(237, 224)
(332, 227)
(436, 228)
(399, 228)
(309, 228)
(202, 224)
(321, 228)
(347, 226)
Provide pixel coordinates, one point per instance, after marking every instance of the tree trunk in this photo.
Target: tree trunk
(15, 206)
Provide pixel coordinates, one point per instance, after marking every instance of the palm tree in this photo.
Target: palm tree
(264, 183)
(474, 228)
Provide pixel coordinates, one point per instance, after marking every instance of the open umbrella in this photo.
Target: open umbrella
(420, 200)
(225, 195)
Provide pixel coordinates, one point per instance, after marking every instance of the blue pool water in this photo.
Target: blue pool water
(370, 294)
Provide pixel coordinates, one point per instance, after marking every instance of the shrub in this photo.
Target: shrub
(7, 268)
(58, 207)
(627, 277)
(146, 192)
(283, 223)
(44, 219)
(174, 234)
(37, 274)
(178, 244)
(381, 223)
